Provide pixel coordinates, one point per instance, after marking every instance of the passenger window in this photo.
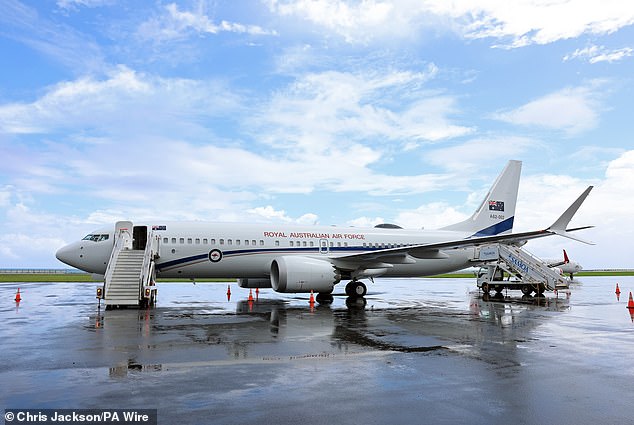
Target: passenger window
(165, 240)
(238, 242)
(222, 241)
(304, 243)
(197, 241)
(338, 243)
(277, 243)
(213, 241)
(205, 241)
(253, 242)
(229, 242)
(189, 241)
(174, 241)
(261, 242)
(312, 243)
(181, 240)
(246, 242)
(291, 243)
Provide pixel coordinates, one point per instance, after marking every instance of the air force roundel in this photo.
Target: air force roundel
(215, 255)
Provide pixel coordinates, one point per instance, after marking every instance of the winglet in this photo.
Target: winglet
(559, 226)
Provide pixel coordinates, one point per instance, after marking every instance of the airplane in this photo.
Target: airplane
(565, 266)
(302, 259)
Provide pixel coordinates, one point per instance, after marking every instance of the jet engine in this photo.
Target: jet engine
(303, 274)
(254, 283)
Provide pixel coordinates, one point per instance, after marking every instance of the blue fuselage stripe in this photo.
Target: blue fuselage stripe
(496, 229)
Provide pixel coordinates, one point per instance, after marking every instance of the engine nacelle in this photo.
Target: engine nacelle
(303, 274)
(254, 283)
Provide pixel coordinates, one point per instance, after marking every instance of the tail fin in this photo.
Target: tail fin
(566, 260)
(496, 213)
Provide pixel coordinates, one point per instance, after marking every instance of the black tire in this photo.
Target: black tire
(498, 288)
(485, 288)
(356, 289)
(526, 289)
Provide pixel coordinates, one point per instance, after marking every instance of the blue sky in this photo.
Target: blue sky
(313, 112)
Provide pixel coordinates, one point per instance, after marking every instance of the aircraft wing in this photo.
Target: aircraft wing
(403, 255)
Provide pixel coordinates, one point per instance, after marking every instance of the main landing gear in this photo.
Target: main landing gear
(356, 289)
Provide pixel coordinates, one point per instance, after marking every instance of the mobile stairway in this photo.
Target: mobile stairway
(511, 267)
(130, 275)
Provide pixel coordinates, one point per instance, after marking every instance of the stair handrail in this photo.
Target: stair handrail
(114, 256)
(147, 268)
(537, 266)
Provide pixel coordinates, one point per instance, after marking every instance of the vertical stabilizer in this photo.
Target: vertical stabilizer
(496, 213)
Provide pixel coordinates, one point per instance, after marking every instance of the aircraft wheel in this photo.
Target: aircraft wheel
(485, 288)
(498, 288)
(324, 298)
(526, 289)
(356, 289)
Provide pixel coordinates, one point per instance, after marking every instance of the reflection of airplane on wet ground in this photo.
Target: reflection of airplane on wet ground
(273, 330)
(295, 259)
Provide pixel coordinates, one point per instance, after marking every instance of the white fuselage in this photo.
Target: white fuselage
(229, 250)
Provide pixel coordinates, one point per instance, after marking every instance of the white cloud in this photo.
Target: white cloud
(75, 4)
(482, 152)
(365, 222)
(527, 22)
(176, 24)
(430, 216)
(521, 22)
(124, 102)
(595, 54)
(572, 110)
(321, 109)
(270, 214)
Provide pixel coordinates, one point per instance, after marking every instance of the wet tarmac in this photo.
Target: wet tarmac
(418, 351)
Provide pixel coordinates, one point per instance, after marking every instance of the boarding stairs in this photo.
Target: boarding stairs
(130, 275)
(524, 267)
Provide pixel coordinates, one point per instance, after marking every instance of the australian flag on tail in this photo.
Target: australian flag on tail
(496, 205)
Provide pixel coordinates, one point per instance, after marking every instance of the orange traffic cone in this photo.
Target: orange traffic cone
(257, 294)
(18, 298)
(228, 292)
(618, 291)
(630, 303)
(250, 295)
(312, 298)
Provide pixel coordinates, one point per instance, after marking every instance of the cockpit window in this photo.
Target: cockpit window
(96, 238)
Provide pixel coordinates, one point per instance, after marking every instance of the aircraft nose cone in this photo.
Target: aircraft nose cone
(64, 254)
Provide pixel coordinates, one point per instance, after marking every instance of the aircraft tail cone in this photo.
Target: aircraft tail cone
(18, 298)
(250, 295)
(618, 291)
